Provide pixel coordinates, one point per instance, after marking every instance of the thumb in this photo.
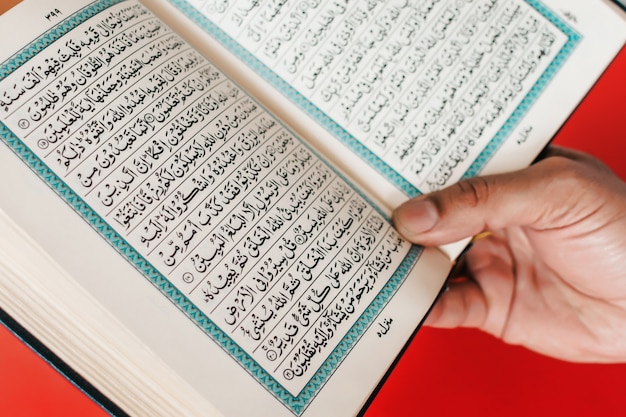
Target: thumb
(550, 194)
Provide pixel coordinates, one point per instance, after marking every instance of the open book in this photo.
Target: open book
(195, 196)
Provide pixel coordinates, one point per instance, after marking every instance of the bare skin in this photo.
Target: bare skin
(552, 274)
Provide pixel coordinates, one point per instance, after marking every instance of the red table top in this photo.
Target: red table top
(444, 372)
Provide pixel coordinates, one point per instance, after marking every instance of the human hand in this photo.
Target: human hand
(552, 274)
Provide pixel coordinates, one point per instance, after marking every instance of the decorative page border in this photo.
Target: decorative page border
(296, 404)
(573, 39)
(349, 140)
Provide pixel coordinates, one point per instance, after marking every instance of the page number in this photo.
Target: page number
(55, 13)
(569, 16)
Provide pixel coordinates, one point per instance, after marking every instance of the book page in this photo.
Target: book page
(217, 203)
(270, 251)
(425, 92)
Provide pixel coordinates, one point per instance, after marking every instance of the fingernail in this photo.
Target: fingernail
(416, 216)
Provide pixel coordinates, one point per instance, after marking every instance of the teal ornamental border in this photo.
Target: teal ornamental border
(573, 38)
(357, 147)
(297, 404)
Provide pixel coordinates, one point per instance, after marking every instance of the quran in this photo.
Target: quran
(195, 196)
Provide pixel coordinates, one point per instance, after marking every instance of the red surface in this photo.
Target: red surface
(29, 387)
(444, 373)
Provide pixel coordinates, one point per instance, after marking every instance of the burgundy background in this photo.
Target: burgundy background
(444, 372)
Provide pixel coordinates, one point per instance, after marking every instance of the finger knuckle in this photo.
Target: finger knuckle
(474, 192)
